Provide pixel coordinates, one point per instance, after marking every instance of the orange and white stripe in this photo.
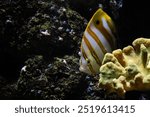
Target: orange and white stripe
(96, 42)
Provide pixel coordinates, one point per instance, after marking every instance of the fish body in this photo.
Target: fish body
(98, 39)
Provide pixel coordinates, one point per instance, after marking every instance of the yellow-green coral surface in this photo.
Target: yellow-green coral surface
(127, 69)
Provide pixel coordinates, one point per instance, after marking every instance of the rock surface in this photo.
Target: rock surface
(38, 32)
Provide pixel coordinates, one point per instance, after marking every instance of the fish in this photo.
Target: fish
(98, 39)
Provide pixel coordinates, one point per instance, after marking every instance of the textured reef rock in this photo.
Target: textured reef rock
(127, 69)
(7, 90)
(46, 28)
(58, 80)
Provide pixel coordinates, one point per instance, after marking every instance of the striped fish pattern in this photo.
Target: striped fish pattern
(98, 39)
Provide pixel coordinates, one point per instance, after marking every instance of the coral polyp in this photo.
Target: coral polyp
(127, 69)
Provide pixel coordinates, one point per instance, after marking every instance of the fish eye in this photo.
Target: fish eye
(88, 61)
(97, 22)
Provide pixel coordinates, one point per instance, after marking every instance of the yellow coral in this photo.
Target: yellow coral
(127, 69)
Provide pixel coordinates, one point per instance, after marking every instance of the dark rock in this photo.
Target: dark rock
(32, 81)
(7, 89)
(59, 80)
(35, 27)
(46, 28)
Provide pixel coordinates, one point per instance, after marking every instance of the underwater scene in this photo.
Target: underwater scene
(74, 50)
